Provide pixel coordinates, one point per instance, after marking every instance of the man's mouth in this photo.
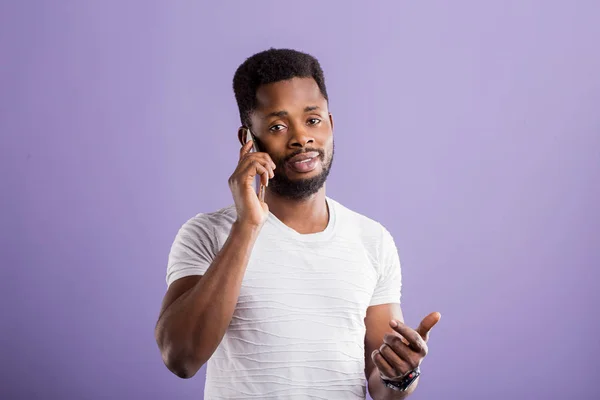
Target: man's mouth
(304, 162)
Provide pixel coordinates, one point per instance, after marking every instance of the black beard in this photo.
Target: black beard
(299, 189)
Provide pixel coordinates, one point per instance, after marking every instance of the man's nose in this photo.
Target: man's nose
(301, 138)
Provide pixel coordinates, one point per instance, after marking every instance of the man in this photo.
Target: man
(296, 297)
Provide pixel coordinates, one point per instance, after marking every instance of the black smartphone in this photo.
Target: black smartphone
(260, 188)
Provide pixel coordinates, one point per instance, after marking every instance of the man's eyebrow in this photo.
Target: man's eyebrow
(283, 113)
(277, 114)
(311, 108)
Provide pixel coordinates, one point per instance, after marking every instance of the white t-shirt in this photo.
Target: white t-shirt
(298, 328)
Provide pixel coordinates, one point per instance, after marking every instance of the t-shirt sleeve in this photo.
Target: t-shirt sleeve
(193, 250)
(389, 283)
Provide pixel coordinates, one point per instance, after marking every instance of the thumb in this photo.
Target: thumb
(427, 323)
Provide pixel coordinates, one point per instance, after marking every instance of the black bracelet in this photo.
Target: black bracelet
(404, 383)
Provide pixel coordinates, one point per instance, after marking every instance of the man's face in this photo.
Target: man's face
(293, 125)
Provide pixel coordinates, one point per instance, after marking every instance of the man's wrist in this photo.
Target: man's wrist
(379, 391)
(403, 383)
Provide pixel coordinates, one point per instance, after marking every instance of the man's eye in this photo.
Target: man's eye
(276, 128)
(314, 121)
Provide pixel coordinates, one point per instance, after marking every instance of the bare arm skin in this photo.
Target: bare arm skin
(196, 311)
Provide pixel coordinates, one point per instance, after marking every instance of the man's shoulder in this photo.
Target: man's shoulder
(212, 221)
(373, 234)
(357, 221)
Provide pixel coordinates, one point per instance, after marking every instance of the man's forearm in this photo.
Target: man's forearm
(379, 391)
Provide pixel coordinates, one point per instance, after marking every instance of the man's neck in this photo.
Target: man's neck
(304, 216)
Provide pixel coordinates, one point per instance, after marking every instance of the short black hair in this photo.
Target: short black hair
(269, 66)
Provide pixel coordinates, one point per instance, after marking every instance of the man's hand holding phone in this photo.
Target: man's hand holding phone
(250, 209)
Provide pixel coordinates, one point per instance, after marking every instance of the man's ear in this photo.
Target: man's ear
(242, 131)
(331, 120)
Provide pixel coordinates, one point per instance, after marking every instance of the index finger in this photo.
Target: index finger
(414, 339)
(245, 149)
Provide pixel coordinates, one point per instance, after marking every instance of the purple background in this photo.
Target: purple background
(470, 129)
